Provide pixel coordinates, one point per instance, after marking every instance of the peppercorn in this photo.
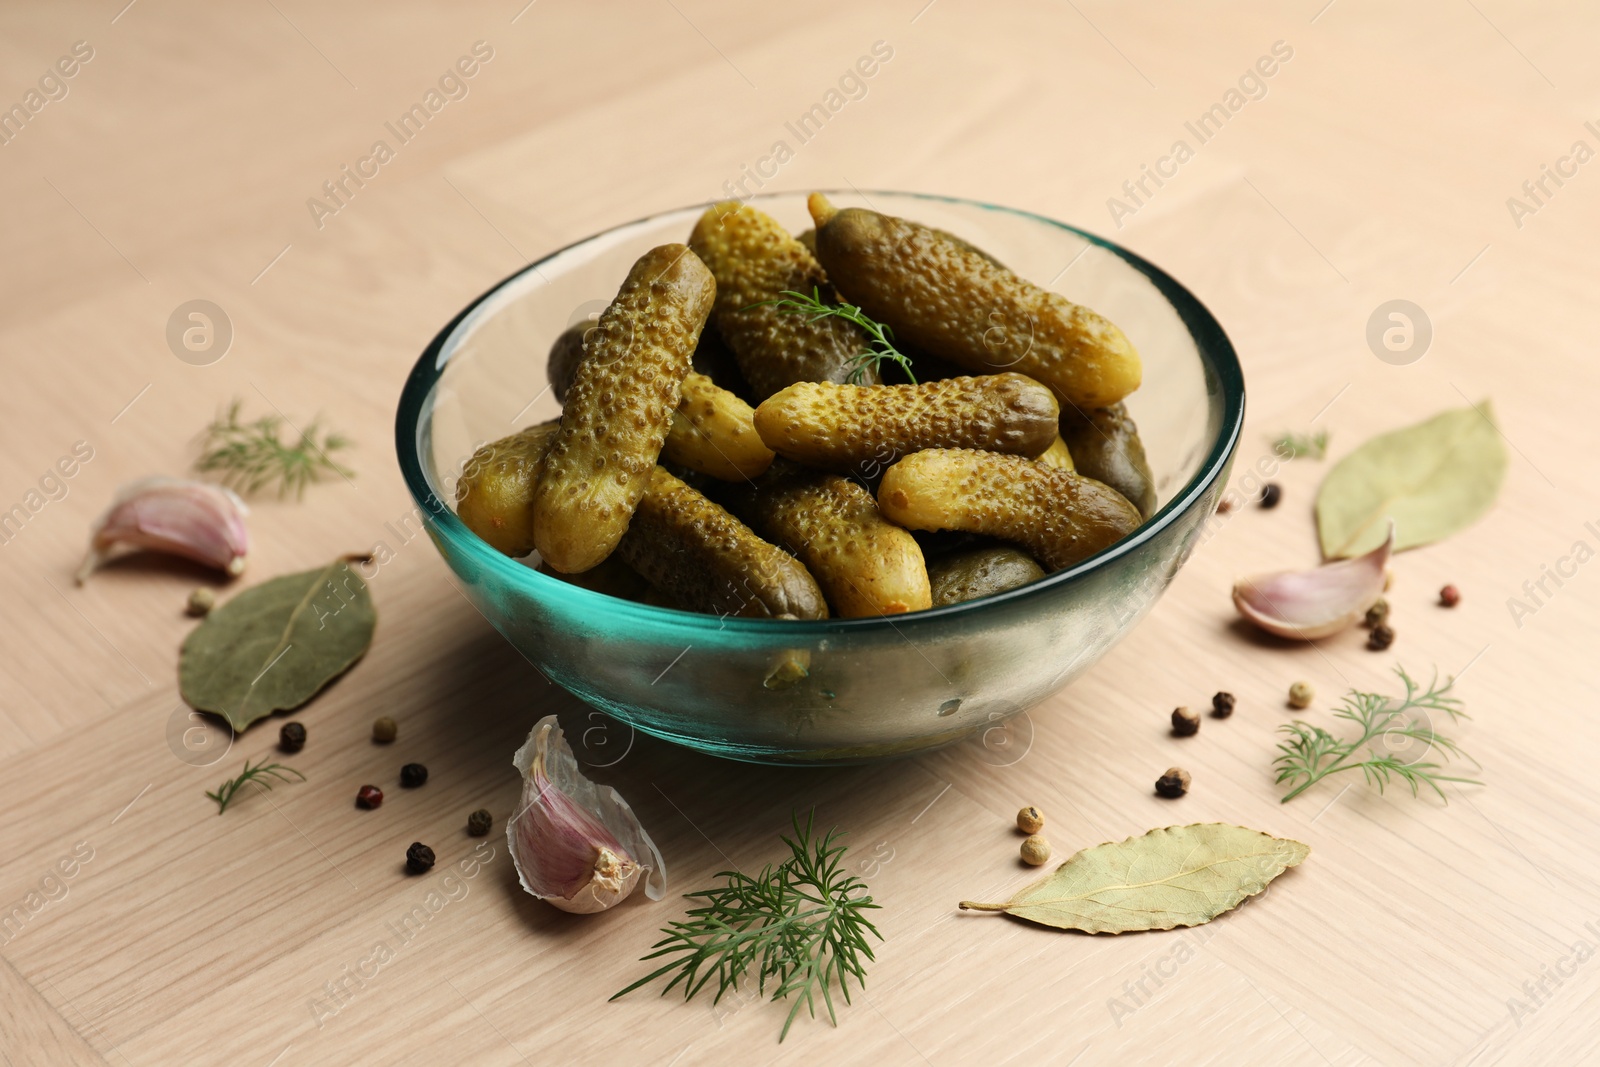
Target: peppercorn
(369, 797)
(419, 858)
(1035, 850)
(478, 822)
(1271, 493)
(1222, 705)
(1449, 596)
(292, 738)
(413, 775)
(1030, 820)
(1301, 694)
(1378, 614)
(201, 601)
(384, 730)
(1380, 638)
(1225, 505)
(1173, 784)
(1185, 723)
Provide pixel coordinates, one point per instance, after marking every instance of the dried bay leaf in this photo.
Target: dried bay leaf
(275, 645)
(1174, 876)
(1432, 479)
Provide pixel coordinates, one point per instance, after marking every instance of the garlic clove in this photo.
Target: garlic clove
(196, 520)
(575, 844)
(1306, 605)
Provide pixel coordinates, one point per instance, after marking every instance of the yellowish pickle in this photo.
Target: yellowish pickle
(755, 260)
(713, 432)
(620, 407)
(703, 559)
(946, 298)
(862, 429)
(980, 572)
(495, 495)
(1106, 443)
(865, 565)
(1059, 516)
(1058, 455)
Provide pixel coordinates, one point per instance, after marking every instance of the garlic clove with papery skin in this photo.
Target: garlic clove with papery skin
(196, 520)
(1306, 605)
(575, 844)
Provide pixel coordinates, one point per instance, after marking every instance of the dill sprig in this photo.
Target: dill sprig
(1296, 445)
(882, 337)
(263, 774)
(800, 925)
(253, 455)
(1312, 753)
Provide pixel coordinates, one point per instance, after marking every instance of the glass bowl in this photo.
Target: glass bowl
(839, 690)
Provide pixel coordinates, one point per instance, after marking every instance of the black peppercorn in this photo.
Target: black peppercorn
(1173, 784)
(1271, 493)
(1380, 638)
(419, 858)
(478, 822)
(413, 775)
(1185, 723)
(1222, 705)
(292, 738)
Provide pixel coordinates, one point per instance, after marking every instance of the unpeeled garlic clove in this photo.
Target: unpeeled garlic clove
(196, 520)
(575, 844)
(1310, 604)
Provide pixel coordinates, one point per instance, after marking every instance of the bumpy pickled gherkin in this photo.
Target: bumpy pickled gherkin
(980, 572)
(714, 432)
(704, 559)
(620, 407)
(1057, 455)
(611, 577)
(495, 495)
(1060, 517)
(1106, 447)
(566, 352)
(865, 564)
(862, 429)
(956, 303)
(755, 261)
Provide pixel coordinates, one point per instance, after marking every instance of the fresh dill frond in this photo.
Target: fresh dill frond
(1296, 445)
(881, 336)
(263, 774)
(253, 455)
(799, 926)
(1312, 753)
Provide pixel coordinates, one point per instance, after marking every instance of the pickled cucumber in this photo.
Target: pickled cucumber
(611, 577)
(620, 408)
(703, 559)
(714, 432)
(864, 564)
(1060, 517)
(980, 572)
(1105, 445)
(495, 495)
(956, 303)
(755, 260)
(863, 429)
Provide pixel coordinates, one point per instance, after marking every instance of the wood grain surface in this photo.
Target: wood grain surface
(1375, 163)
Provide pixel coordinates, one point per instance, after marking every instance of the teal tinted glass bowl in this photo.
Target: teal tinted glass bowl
(841, 690)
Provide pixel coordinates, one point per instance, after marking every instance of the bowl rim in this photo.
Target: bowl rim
(1212, 343)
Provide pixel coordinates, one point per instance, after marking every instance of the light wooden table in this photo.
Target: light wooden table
(1376, 166)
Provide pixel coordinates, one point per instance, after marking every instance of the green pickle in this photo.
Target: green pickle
(755, 260)
(495, 495)
(980, 572)
(1059, 516)
(942, 297)
(703, 559)
(862, 429)
(1105, 446)
(620, 407)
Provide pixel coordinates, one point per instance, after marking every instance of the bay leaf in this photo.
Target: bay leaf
(1173, 876)
(275, 645)
(1432, 479)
